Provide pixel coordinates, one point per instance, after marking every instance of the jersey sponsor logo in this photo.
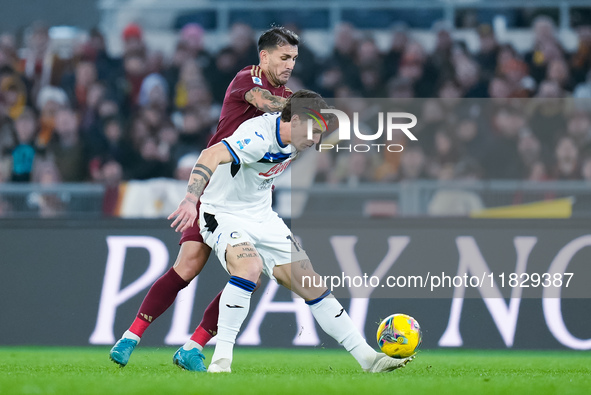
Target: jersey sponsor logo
(257, 81)
(243, 143)
(277, 169)
(260, 135)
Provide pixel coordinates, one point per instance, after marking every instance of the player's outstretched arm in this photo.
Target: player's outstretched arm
(264, 100)
(208, 161)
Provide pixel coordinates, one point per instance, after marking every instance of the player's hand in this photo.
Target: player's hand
(186, 214)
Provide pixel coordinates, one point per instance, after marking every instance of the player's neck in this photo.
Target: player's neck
(285, 132)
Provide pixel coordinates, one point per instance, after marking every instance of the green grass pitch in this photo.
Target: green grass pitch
(52, 370)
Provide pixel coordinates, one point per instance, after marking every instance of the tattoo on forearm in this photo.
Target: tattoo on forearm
(203, 167)
(264, 100)
(197, 187)
(202, 174)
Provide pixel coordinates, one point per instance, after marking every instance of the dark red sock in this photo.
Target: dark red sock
(208, 327)
(159, 298)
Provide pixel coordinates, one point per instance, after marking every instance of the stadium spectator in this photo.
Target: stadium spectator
(440, 64)
(195, 132)
(150, 163)
(546, 47)
(25, 152)
(468, 76)
(243, 45)
(413, 164)
(126, 86)
(67, 148)
(344, 53)
(48, 204)
(111, 145)
(8, 52)
(399, 88)
(78, 83)
(226, 63)
(502, 160)
(566, 165)
(580, 61)
(487, 53)
(578, 127)
(36, 59)
(471, 138)
(444, 156)
(191, 35)
(586, 169)
(413, 68)
(190, 74)
(49, 101)
(370, 64)
(558, 72)
(133, 40)
(547, 119)
(392, 58)
(532, 158)
(13, 94)
(154, 93)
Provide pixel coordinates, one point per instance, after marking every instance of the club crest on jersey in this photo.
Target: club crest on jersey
(243, 143)
(257, 81)
(235, 235)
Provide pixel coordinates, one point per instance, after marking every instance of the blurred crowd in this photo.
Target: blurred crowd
(91, 117)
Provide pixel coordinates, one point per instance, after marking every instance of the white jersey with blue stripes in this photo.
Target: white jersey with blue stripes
(244, 186)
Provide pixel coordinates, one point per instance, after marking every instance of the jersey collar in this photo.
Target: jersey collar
(277, 133)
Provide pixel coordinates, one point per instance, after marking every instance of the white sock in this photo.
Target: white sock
(234, 306)
(131, 335)
(191, 344)
(334, 320)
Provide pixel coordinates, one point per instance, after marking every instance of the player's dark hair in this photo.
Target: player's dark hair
(301, 103)
(277, 36)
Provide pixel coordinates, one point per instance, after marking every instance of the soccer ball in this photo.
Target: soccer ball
(399, 336)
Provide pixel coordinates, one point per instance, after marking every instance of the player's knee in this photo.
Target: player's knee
(191, 260)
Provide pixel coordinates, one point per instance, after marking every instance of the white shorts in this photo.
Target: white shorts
(271, 237)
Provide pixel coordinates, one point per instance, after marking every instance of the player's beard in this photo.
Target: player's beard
(281, 79)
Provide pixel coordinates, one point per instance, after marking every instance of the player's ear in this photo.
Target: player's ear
(264, 56)
(296, 118)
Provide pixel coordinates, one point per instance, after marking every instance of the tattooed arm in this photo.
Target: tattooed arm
(208, 161)
(264, 100)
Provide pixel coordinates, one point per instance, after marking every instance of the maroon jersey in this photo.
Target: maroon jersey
(235, 109)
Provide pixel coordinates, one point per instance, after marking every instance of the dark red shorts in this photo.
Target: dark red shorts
(193, 233)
